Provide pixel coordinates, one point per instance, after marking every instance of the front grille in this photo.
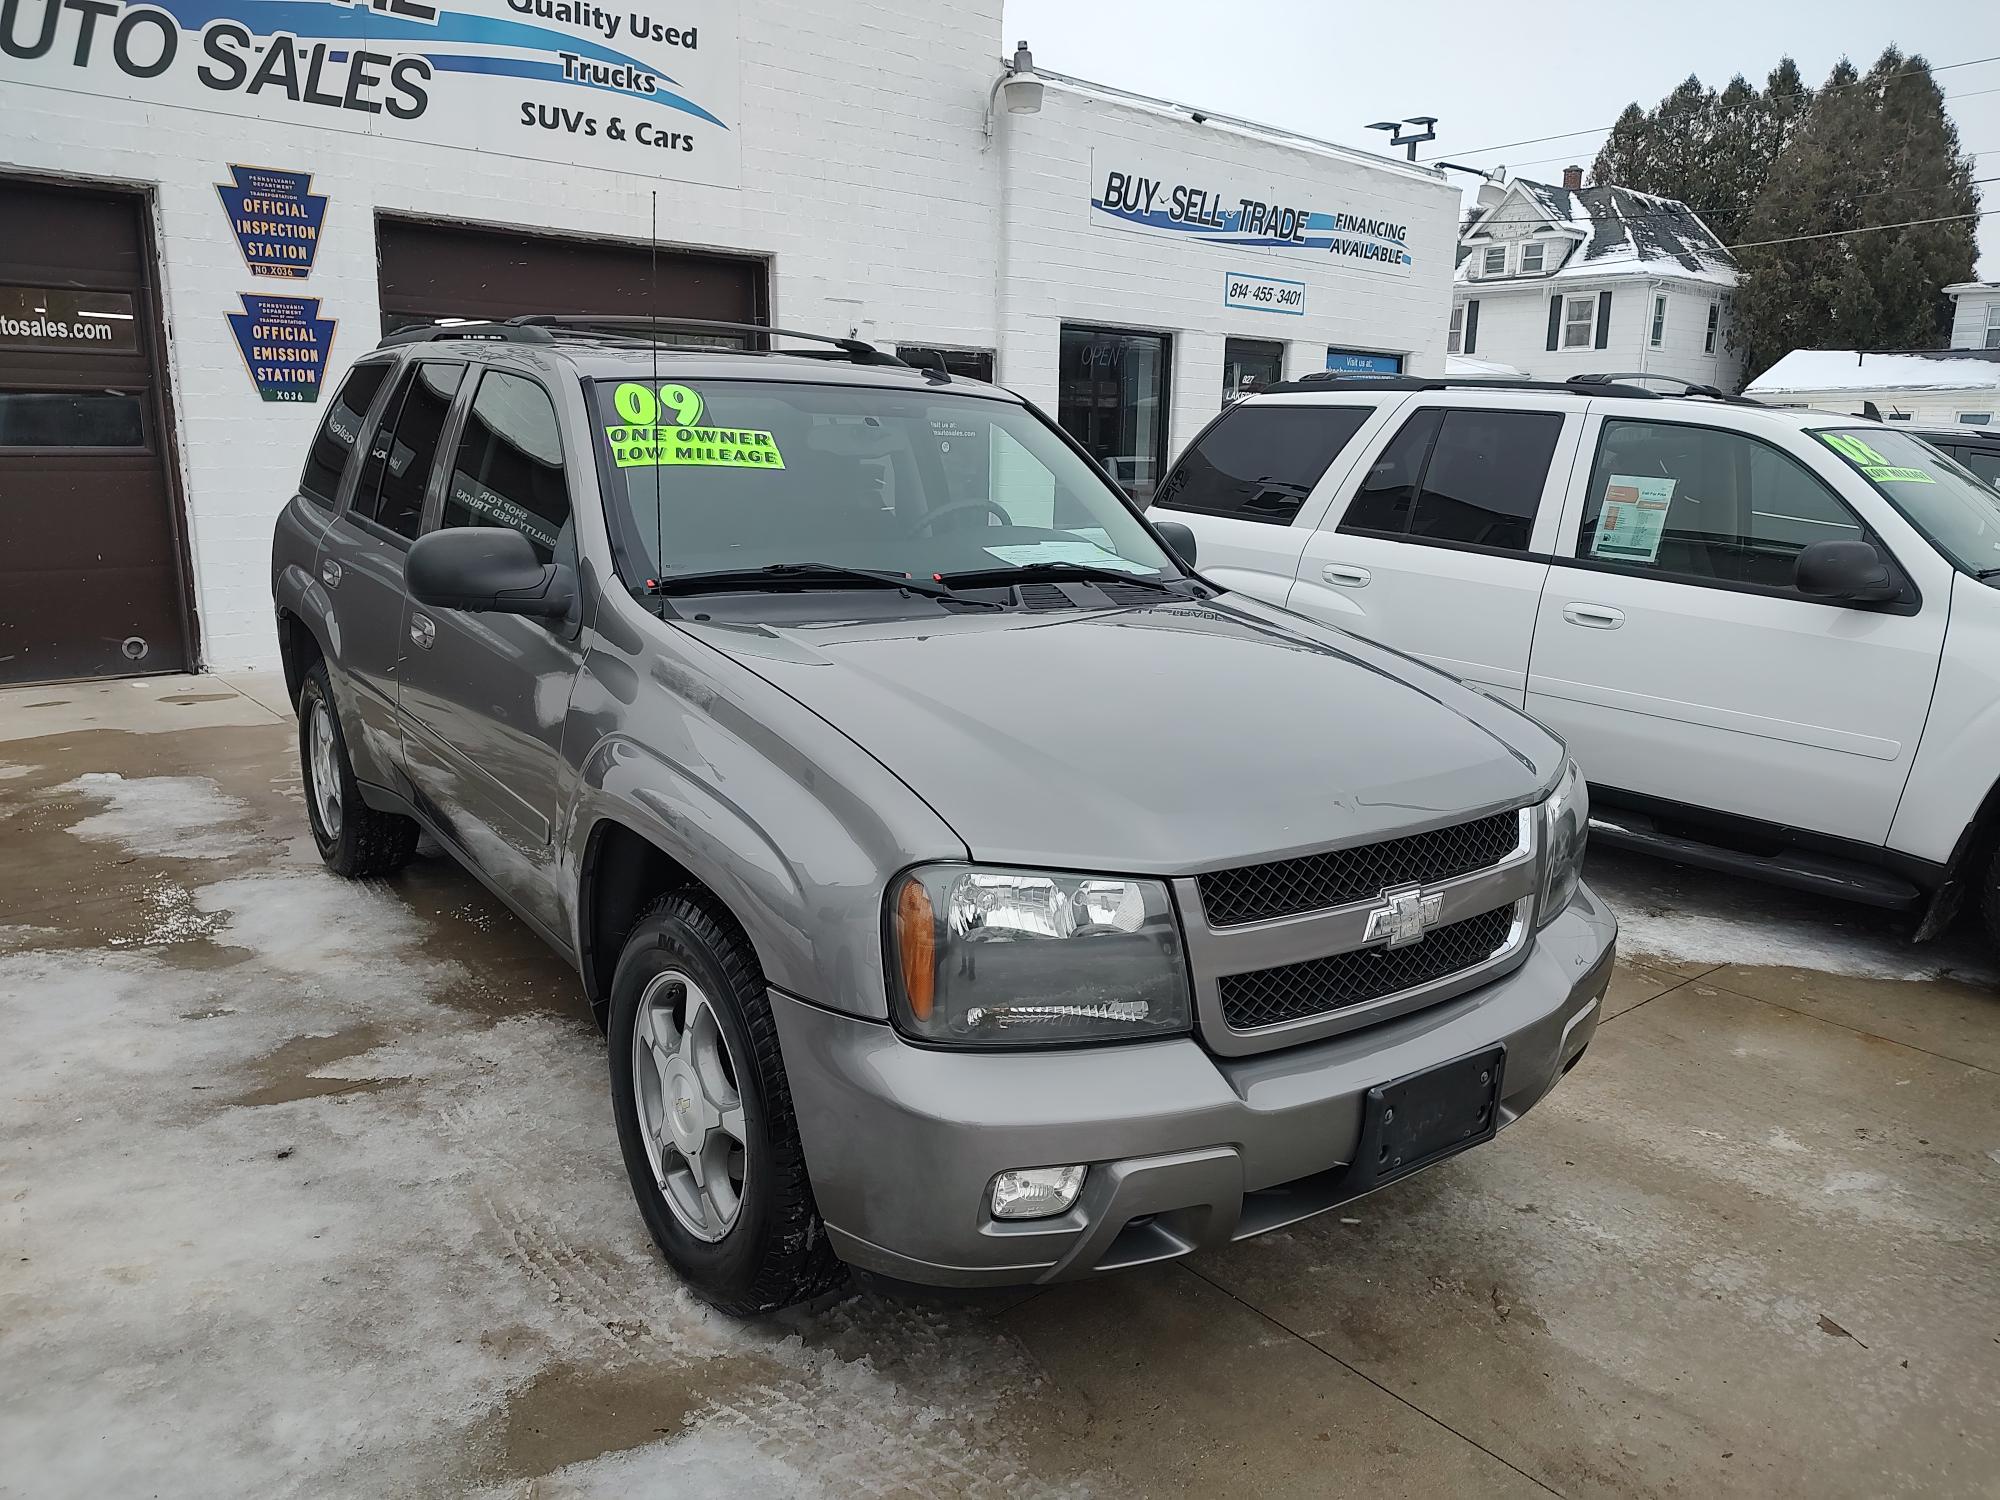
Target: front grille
(1265, 997)
(1286, 887)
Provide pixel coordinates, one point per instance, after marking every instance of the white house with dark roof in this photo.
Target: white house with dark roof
(1570, 280)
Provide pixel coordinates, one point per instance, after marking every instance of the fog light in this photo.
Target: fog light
(1036, 1192)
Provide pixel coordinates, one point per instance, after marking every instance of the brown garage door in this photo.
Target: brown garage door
(431, 271)
(91, 583)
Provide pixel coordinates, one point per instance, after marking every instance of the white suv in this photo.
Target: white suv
(1771, 638)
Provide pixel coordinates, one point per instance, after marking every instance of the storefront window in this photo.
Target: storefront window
(1249, 366)
(1113, 400)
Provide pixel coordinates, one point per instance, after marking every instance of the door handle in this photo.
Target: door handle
(1346, 575)
(423, 630)
(329, 573)
(1594, 616)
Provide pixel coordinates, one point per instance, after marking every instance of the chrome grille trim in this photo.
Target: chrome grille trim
(1275, 943)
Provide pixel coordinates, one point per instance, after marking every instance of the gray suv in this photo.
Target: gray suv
(970, 891)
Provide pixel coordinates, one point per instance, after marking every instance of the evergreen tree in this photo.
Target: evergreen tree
(1868, 149)
(1709, 150)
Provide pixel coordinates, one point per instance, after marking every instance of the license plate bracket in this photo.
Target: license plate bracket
(1424, 1117)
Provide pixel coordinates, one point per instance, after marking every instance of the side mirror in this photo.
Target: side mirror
(1179, 538)
(1853, 571)
(487, 569)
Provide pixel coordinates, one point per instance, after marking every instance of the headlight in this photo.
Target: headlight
(1565, 830)
(985, 957)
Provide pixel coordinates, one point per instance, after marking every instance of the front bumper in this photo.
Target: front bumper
(1186, 1149)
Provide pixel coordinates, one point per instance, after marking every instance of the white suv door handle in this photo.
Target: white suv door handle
(1595, 616)
(1345, 575)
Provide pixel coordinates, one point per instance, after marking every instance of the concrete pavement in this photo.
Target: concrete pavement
(310, 1187)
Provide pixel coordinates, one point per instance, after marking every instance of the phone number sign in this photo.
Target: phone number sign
(1272, 294)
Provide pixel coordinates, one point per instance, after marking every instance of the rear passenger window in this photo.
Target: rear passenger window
(1383, 501)
(1705, 503)
(1259, 463)
(326, 459)
(1485, 478)
(397, 472)
(509, 469)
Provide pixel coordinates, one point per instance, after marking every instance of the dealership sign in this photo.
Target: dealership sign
(650, 88)
(1136, 195)
(285, 343)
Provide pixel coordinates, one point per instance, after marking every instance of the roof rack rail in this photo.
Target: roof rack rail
(642, 326)
(478, 331)
(1319, 380)
(1688, 387)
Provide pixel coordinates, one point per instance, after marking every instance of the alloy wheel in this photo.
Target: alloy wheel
(690, 1108)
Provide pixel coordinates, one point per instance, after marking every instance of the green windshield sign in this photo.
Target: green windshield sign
(1873, 465)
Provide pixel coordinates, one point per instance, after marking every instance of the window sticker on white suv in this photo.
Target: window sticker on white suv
(1634, 517)
(1872, 464)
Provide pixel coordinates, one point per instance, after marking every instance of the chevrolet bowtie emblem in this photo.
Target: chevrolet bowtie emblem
(1406, 911)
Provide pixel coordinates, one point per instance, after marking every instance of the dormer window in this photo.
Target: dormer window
(1495, 263)
(1531, 259)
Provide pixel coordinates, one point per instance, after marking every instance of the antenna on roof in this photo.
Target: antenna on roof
(653, 312)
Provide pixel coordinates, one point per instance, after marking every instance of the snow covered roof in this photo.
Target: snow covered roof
(1857, 370)
(1465, 364)
(1614, 232)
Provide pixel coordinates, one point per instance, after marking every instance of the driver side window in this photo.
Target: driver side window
(509, 468)
(1705, 504)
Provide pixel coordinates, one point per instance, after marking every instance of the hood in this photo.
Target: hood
(1163, 739)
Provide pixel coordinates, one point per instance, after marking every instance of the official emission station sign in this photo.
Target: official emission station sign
(285, 344)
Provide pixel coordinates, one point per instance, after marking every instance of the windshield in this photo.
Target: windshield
(732, 474)
(1958, 511)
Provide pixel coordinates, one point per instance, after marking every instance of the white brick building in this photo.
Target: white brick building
(1566, 280)
(823, 166)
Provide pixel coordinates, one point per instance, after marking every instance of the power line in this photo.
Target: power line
(1685, 213)
(1834, 234)
(1537, 140)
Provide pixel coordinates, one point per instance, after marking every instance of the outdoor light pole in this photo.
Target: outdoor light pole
(1397, 138)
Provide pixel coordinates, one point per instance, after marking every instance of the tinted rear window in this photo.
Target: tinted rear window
(1259, 463)
(1485, 478)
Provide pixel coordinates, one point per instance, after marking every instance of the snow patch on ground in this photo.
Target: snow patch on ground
(14, 773)
(291, 1226)
(1691, 916)
(175, 817)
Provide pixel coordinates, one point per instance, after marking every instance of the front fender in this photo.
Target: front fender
(784, 819)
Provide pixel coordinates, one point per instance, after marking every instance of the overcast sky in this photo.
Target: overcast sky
(1494, 73)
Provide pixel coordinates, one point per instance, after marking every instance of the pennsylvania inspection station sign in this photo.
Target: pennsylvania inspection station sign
(285, 343)
(648, 86)
(276, 218)
(1133, 194)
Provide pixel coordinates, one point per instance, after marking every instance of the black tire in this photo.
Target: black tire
(365, 842)
(776, 1252)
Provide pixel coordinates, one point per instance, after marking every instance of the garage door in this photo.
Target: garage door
(91, 583)
(432, 271)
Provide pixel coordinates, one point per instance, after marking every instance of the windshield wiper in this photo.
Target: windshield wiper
(1052, 572)
(1985, 573)
(795, 575)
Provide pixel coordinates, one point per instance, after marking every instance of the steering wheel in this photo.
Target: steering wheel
(992, 508)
